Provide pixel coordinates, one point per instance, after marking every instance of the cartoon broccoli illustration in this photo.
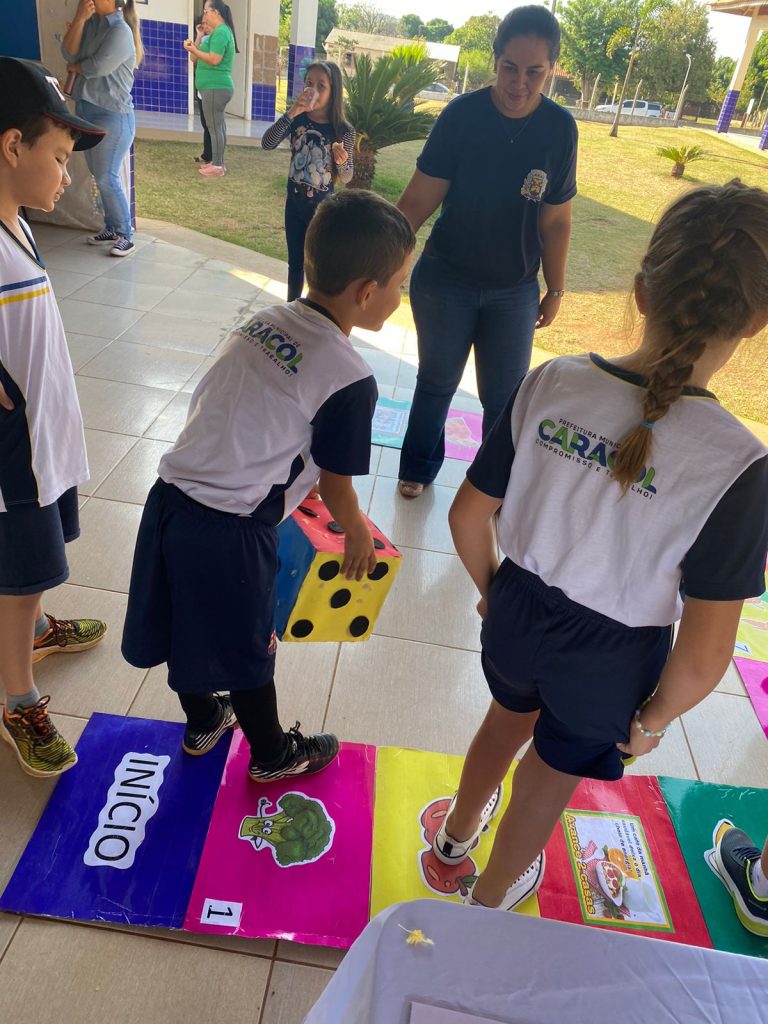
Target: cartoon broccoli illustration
(298, 830)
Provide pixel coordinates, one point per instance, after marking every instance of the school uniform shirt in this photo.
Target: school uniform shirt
(42, 446)
(501, 170)
(288, 396)
(696, 516)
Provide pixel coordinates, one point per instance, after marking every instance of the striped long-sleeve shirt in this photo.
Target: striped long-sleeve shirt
(311, 152)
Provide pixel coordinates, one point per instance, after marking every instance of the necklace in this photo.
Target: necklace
(525, 125)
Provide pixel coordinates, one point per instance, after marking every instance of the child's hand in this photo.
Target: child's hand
(359, 553)
(638, 744)
(5, 402)
(340, 155)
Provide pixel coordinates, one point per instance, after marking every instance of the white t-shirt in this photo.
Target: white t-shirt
(696, 516)
(42, 446)
(288, 396)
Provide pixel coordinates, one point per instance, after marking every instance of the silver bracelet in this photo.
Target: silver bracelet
(648, 733)
(556, 293)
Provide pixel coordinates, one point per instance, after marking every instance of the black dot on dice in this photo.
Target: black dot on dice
(378, 544)
(302, 628)
(340, 598)
(379, 572)
(328, 570)
(359, 625)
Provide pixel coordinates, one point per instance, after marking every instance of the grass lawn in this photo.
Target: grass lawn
(623, 187)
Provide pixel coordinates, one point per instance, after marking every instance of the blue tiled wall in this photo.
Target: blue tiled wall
(728, 110)
(162, 80)
(298, 59)
(263, 98)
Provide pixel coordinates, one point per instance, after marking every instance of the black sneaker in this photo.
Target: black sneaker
(103, 236)
(122, 247)
(200, 741)
(734, 855)
(305, 755)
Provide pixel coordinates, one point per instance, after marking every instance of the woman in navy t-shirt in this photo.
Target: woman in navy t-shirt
(502, 161)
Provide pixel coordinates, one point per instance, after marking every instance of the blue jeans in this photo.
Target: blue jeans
(450, 315)
(105, 159)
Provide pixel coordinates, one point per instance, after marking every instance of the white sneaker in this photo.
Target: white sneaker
(449, 850)
(525, 886)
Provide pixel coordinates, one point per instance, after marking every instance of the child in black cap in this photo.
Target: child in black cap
(42, 446)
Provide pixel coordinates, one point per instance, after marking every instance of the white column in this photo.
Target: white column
(756, 26)
(302, 48)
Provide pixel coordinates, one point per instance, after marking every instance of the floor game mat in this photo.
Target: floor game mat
(463, 430)
(141, 834)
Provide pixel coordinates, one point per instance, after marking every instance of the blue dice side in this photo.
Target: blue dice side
(296, 554)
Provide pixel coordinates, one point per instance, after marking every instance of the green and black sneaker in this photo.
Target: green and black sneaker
(39, 746)
(67, 636)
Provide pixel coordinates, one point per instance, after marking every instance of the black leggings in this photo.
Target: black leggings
(207, 154)
(256, 712)
(299, 211)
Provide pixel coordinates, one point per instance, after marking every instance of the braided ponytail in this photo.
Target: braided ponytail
(705, 275)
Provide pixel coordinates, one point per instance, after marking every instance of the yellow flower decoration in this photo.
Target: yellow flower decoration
(416, 937)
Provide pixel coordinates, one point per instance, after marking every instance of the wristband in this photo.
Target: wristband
(648, 733)
(556, 293)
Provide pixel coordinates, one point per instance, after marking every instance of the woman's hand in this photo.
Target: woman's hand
(189, 46)
(74, 69)
(340, 155)
(199, 33)
(549, 307)
(85, 10)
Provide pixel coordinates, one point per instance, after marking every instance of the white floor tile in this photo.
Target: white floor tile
(92, 318)
(132, 478)
(727, 741)
(418, 523)
(143, 364)
(105, 450)
(103, 555)
(121, 408)
(123, 294)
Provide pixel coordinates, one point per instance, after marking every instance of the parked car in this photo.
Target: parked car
(643, 108)
(436, 91)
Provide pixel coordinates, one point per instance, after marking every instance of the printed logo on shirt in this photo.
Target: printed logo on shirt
(535, 185)
(274, 343)
(590, 450)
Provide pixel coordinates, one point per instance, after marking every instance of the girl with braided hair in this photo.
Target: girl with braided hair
(628, 498)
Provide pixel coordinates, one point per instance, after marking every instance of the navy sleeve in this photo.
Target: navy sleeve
(727, 560)
(341, 429)
(563, 184)
(440, 155)
(490, 471)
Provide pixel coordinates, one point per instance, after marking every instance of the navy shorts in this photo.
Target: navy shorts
(32, 539)
(584, 673)
(202, 595)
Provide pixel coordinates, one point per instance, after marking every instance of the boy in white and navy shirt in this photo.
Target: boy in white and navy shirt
(42, 447)
(288, 400)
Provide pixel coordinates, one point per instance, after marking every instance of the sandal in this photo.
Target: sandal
(409, 489)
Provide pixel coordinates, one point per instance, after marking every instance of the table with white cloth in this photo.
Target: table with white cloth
(524, 970)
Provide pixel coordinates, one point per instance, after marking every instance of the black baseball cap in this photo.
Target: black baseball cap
(28, 89)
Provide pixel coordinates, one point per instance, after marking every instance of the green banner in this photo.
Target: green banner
(695, 809)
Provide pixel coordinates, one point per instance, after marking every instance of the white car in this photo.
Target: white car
(436, 91)
(642, 108)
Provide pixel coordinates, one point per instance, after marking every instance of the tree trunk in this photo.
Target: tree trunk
(614, 132)
(365, 168)
(677, 170)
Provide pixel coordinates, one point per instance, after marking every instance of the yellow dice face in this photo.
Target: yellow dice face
(330, 608)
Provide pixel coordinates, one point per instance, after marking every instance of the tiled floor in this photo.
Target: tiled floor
(141, 332)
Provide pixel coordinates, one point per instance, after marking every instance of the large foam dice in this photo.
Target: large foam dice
(314, 601)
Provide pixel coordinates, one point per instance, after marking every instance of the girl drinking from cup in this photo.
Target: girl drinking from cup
(322, 148)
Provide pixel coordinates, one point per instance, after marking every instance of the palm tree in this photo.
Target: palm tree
(682, 156)
(380, 98)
